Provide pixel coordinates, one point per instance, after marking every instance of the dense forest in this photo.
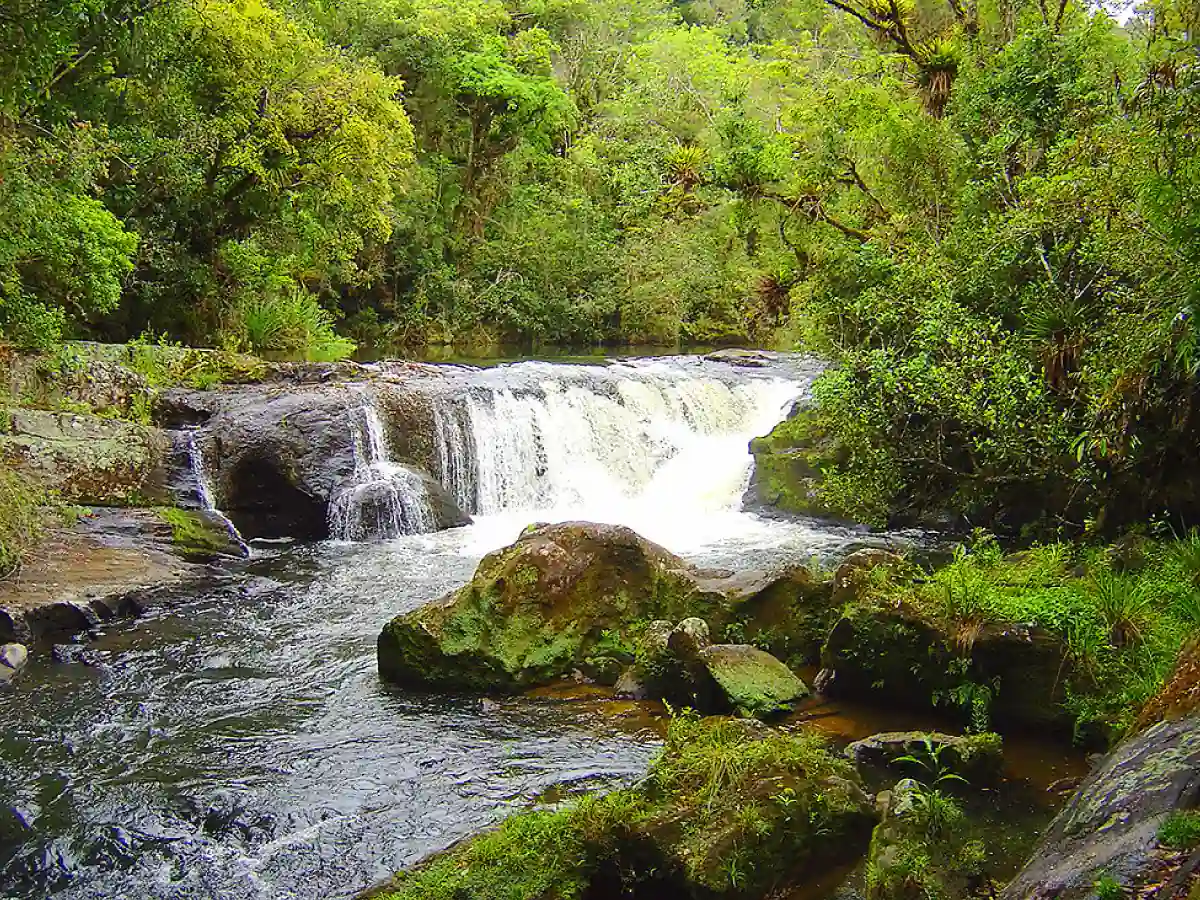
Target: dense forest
(987, 213)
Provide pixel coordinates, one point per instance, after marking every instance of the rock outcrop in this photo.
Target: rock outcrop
(87, 459)
(1110, 826)
(894, 652)
(279, 455)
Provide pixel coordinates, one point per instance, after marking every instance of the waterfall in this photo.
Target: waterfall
(612, 443)
(202, 487)
(383, 499)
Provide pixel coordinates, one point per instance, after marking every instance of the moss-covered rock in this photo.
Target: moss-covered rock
(977, 758)
(788, 463)
(729, 809)
(537, 610)
(680, 665)
(1012, 675)
(87, 459)
(752, 682)
(201, 535)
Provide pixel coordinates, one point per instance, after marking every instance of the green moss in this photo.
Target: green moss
(726, 809)
(194, 534)
(754, 682)
(1181, 831)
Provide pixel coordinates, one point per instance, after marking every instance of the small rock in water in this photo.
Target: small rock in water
(13, 658)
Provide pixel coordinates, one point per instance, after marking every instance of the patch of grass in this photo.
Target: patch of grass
(727, 806)
(1181, 831)
(1108, 888)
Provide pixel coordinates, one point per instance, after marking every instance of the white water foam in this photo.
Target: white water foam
(659, 447)
(383, 499)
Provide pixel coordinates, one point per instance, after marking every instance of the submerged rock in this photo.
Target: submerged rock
(977, 758)
(13, 658)
(1110, 826)
(731, 809)
(537, 610)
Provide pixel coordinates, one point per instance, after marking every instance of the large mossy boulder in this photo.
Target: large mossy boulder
(560, 597)
(1114, 826)
(730, 809)
(788, 465)
(88, 460)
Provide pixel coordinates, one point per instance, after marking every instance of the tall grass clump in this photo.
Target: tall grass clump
(291, 322)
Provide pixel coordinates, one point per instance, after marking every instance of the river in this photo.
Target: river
(238, 743)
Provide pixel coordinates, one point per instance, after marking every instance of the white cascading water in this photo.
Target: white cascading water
(654, 446)
(383, 499)
(203, 487)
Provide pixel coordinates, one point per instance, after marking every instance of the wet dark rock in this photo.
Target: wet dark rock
(280, 456)
(681, 666)
(751, 359)
(1110, 825)
(977, 758)
(78, 654)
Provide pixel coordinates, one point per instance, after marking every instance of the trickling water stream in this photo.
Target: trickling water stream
(240, 745)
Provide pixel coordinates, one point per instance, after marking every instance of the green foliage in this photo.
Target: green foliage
(725, 807)
(1180, 831)
(1121, 630)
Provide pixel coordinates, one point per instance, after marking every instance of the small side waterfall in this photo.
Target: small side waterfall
(383, 499)
(202, 488)
(613, 443)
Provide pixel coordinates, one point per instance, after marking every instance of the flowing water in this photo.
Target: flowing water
(239, 744)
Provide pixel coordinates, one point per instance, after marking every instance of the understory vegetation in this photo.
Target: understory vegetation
(1120, 613)
(727, 807)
